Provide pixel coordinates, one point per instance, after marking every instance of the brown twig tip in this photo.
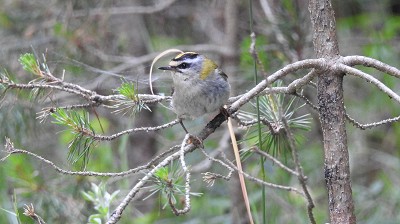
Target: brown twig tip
(9, 146)
(209, 178)
(29, 211)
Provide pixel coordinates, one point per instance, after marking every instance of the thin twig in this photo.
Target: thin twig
(373, 63)
(185, 169)
(256, 180)
(9, 149)
(374, 124)
(116, 215)
(132, 130)
(210, 177)
(308, 102)
(352, 120)
(223, 145)
(274, 160)
(369, 78)
(29, 211)
(302, 179)
(89, 95)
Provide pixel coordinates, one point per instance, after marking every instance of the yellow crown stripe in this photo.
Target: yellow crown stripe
(183, 54)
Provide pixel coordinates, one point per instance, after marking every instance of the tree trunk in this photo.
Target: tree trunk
(332, 115)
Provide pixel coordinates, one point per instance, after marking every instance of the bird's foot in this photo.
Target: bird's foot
(224, 112)
(195, 141)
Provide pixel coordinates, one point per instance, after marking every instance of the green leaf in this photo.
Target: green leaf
(127, 89)
(81, 135)
(103, 211)
(272, 109)
(95, 219)
(29, 63)
(162, 173)
(88, 196)
(131, 102)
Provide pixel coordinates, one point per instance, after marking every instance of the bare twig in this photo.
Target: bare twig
(89, 95)
(374, 124)
(308, 102)
(210, 177)
(263, 120)
(301, 177)
(276, 161)
(186, 209)
(373, 63)
(132, 130)
(46, 86)
(29, 211)
(116, 215)
(352, 120)
(369, 78)
(206, 164)
(300, 82)
(9, 149)
(256, 180)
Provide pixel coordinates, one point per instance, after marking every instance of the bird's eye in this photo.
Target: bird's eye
(183, 65)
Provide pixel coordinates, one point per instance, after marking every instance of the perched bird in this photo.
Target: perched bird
(200, 87)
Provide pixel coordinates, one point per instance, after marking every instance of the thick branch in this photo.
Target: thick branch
(305, 64)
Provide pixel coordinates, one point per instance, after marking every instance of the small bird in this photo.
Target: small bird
(200, 87)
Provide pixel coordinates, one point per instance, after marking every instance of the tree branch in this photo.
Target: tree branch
(304, 64)
(132, 130)
(256, 180)
(373, 63)
(299, 169)
(9, 149)
(369, 78)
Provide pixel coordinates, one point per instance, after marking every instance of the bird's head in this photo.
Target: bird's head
(191, 64)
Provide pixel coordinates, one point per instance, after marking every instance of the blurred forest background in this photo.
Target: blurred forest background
(99, 43)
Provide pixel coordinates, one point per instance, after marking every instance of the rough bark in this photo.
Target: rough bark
(332, 115)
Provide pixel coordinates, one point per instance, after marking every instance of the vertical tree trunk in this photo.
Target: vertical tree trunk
(332, 115)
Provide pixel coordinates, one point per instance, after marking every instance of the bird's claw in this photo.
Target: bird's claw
(224, 112)
(195, 141)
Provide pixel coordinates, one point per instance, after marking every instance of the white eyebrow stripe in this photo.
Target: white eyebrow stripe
(174, 63)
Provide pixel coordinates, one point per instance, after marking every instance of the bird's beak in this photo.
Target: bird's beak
(167, 68)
